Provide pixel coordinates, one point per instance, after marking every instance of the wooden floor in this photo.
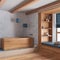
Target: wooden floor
(49, 55)
(33, 56)
(42, 55)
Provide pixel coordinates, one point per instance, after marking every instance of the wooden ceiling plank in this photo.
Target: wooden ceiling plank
(15, 9)
(50, 6)
(57, 10)
(2, 2)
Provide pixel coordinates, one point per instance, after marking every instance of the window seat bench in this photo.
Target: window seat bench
(50, 47)
(51, 44)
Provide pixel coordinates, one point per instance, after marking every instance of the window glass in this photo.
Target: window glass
(58, 29)
(58, 37)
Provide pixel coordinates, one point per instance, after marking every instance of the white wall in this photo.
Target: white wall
(32, 21)
(54, 28)
(8, 26)
(33, 27)
(23, 19)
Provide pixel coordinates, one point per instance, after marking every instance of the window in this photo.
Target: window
(58, 34)
(58, 26)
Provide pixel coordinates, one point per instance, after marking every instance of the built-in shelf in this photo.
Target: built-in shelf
(46, 27)
(47, 35)
(47, 21)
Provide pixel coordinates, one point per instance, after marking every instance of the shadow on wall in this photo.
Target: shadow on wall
(18, 30)
(8, 26)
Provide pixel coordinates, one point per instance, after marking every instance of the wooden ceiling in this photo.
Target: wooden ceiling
(28, 6)
(55, 6)
(56, 10)
(2, 2)
(24, 3)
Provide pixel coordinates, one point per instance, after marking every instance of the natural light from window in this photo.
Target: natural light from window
(58, 34)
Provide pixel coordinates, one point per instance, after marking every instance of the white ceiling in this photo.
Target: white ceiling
(9, 4)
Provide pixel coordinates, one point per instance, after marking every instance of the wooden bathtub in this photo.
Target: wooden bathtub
(16, 43)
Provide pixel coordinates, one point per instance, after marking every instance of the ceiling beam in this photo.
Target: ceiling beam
(50, 6)
(2, 2)
(25, 2)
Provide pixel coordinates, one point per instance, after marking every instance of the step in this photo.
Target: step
(4, 54)
(30, 56)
